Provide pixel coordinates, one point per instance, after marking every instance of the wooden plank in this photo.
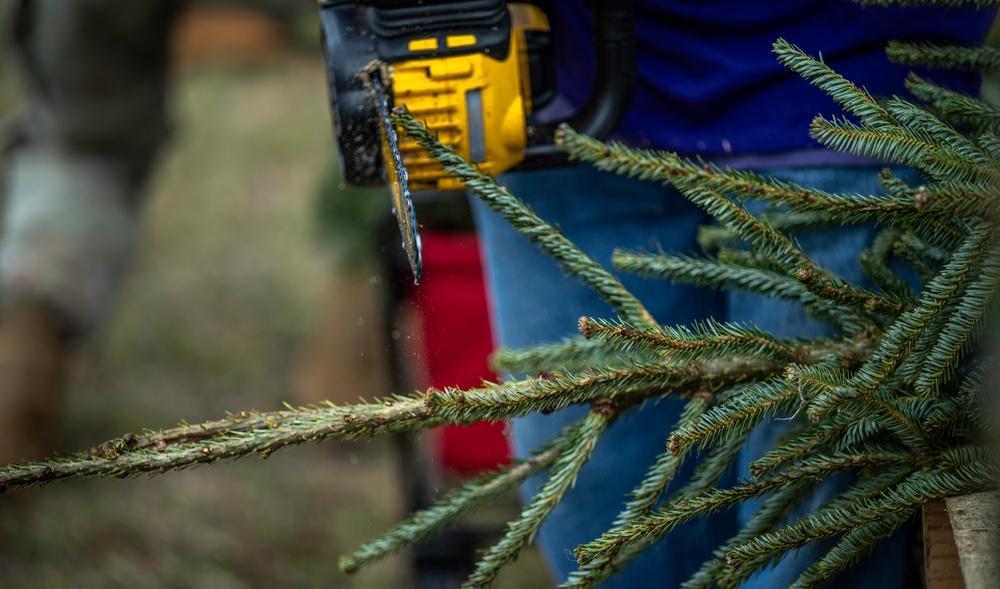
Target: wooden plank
(941, 562)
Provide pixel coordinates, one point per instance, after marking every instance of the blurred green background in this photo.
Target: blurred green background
(233, 303)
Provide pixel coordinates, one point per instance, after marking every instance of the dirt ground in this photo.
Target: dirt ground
(228, 291)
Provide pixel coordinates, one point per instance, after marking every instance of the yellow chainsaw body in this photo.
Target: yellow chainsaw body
(476, 104)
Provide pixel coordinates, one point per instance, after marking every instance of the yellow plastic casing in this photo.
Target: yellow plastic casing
(475, 103)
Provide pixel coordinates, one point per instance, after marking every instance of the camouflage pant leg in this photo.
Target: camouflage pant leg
(95, 72)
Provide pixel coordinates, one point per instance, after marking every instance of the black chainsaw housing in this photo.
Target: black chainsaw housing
(358, 33)
(348, 48)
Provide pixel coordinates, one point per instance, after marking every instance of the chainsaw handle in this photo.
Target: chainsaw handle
(610, 96)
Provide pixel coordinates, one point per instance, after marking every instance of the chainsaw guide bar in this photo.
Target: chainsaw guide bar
(395, 172)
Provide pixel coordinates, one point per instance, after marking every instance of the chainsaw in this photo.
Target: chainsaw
(474, 72)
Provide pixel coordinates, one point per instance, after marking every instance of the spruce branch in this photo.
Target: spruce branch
(989, 141)
(712, 237)
(759, 400)
(732, 276)
(582, 439)
(191, 445)
(262, 433)
(936, 55)
(806, 203)
(764, 239)
(571, 355)
(706, 476)
(747, 259)
(446, 512)
(920, 487)
(553, 392)
(713, 467)
(549, 238)
(941, 134)
(903, 249)
(969, 313)
(701, 340)
(643, 498)
(853, 296)
(939, 204)
(961, 107)
(904, 333)
(767, 518)
(852, 99)
(814, 437)
(875, 264)
(899, 402)
(656, 525)
(867, 487)
(903, 145)
(897, 131)
(842, 134)
(981, 405)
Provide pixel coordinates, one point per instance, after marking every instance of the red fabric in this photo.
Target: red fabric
(451, 300)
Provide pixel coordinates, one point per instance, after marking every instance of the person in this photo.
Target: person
(94, 120)
(709, 86)
(79, 154)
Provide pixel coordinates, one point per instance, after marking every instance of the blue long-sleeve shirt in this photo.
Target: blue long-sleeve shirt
(710, 84)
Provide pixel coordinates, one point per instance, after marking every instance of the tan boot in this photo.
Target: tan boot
(33, 361)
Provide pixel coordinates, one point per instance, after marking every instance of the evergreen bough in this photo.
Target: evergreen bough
(898, 399)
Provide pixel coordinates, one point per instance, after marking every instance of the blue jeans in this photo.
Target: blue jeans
(533, 302)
